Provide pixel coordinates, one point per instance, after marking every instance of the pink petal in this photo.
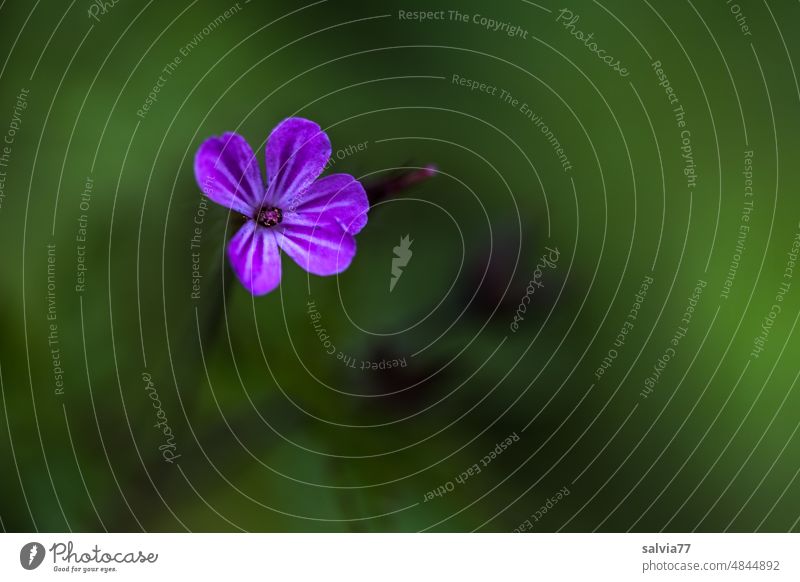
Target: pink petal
(337, 199)
(321, 250)
(227, 172)
(297, 151)
(255, 259)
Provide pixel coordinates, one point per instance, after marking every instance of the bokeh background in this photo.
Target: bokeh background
(272, 433)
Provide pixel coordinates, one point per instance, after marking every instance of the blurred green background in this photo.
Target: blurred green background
(270, 432)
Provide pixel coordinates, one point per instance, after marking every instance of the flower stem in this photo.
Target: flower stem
(386, 188)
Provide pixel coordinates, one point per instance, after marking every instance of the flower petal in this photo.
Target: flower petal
(321, 250)
(297, 151)
(227, 172)
(336, 199)
(255, 259)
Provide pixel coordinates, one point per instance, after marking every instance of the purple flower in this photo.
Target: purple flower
(312, 220)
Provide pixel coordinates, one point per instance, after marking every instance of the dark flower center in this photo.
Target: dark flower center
(269, 216)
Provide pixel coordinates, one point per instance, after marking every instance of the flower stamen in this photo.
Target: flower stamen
(269, 216)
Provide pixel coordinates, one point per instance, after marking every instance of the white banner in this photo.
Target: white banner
(401, 557)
